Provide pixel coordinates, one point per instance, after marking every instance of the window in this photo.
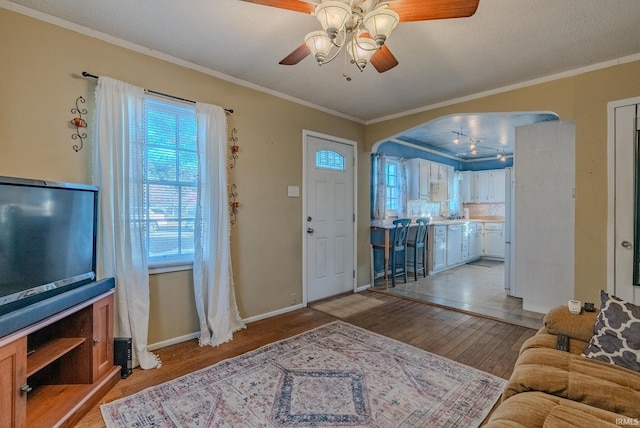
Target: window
(393, 182)
(170, 181)
(329, 159)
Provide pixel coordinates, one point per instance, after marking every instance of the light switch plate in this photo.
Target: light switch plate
(293, 191)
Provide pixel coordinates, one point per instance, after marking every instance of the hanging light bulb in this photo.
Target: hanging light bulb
(456, 140)
(333, 15)
(361, 50)
(319, 44)
(380, 23)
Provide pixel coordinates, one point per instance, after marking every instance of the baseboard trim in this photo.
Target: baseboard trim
(173, 341)
(362, 288)
(274, 313)
(186, 337)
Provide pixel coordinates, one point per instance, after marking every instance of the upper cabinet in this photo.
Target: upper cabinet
(482, 186)
(497, 185)
(429, 180)
(419, 179)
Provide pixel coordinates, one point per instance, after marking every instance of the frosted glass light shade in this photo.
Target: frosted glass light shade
(362, 50)
(332, 15)
(380, 23)
(319, 44)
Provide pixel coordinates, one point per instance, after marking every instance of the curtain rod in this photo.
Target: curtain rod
(227, 110)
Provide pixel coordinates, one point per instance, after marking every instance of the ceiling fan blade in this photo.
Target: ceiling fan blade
(383, 60)
(295, 5)
(423, 10)
(297, 55)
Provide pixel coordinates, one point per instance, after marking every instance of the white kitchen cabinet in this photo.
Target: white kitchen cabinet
(454, 244)
(494, 240)
(464, 183)
(496, 185)
(419, 179)
(450, 178)
(466, 228)
(476, 242)
(439, 247)
(480, 187)
(437, 172)
(439, 192)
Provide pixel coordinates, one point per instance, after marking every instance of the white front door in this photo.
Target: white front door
(329, 216)
(624, 123)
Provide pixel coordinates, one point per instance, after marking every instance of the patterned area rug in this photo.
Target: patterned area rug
(337, 375)
(348, 305)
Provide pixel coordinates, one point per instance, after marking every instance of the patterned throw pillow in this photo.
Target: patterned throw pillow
(616, 337)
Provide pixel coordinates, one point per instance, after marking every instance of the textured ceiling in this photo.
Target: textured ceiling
(491, 133)
(506, 42)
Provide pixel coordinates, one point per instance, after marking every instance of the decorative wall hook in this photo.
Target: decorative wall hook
(79, 122)
(233, 204)
(233, 146)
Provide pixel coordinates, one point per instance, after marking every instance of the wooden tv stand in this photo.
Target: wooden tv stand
(53, 372)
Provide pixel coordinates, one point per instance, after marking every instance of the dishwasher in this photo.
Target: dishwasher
(454, 244)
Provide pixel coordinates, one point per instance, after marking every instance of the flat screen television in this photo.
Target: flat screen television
(47, 246)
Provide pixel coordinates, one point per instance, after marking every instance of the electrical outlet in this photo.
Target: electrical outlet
(293, 298)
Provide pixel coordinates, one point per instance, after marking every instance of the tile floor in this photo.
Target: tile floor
(469, 288)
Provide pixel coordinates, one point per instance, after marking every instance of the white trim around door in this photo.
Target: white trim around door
(306, 137)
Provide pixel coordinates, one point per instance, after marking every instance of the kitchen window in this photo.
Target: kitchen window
(170, 183)
(393, 183)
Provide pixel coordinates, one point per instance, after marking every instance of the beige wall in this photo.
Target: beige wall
(40, 81)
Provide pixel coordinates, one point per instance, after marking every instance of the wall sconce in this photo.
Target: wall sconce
(233, 204)
(233, 146)
(79, 122)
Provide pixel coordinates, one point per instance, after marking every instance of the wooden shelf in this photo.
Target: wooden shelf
(64, 405)
(51, 351)
(68, 369)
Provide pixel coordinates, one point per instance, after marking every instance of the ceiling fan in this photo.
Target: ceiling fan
(363, 26)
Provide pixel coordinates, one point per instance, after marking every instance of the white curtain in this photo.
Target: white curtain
(212, 274)
(380, 185)
(404, 188)
(118, 170)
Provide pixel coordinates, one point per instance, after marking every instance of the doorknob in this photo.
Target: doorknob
(309, 218)
(627, 244)
(309, 230)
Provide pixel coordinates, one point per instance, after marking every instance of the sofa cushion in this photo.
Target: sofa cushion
(536, 409)
(617, 333)
(571, 376)
(560, 321)
(548, 341)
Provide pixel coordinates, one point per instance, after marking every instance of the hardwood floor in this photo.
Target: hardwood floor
(483, 343)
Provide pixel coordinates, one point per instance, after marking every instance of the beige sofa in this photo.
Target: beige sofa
(553, 388)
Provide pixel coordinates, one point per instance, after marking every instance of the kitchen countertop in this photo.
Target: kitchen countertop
(388, 224)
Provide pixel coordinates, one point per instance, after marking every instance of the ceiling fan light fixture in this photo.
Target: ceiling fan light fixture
(361, 49)
(319, 44)
(333, 15)
(380, 23)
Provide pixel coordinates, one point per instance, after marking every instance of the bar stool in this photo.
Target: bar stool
(419, 242)
(398, 246)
